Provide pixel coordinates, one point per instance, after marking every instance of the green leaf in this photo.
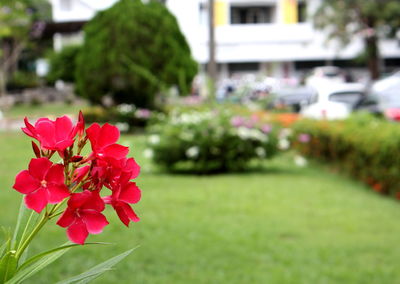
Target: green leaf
(8, 266)
(40, 261)
(38, 264)
(23, 223)
(96, 271)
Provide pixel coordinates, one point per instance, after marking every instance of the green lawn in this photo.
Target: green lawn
(280, 225)
(52, 109)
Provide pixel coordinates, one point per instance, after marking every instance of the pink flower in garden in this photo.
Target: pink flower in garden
(83, 216)
(103, 140)
(304, 138)
(124, 193)
(237, 121)
(266, 128)
(42, 183)
(143, 113)
(53, 135)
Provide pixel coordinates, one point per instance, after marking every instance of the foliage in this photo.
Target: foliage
(63, 64)
(210, 141)
(343, 19)
(362, 146)
(132, 51)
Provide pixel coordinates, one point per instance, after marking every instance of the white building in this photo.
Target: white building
(270, 36)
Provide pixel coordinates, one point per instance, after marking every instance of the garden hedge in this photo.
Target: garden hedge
(362, 146)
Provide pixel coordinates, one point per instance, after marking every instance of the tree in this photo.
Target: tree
(372, 19)
(63, 64)
(131, 51)
(17, 19)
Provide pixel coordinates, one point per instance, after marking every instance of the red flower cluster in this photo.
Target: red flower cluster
(79, 180)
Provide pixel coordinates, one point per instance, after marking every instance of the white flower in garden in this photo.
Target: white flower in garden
(192, 152)
(258, 135)
(154, 139)
(283, 144)
(300, 161)
(285, 132)
(125, 108)
(148, 153)
(122, 126)
(243, 133)
(260, 151)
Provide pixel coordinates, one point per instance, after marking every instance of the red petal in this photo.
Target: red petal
(126, 213)
(78, 199)
(39, 167)
(108, 135)
(122, 215)
(46, 133)
(130, 193)
(94, 202)
(77, 232)
(57, 192)
(37, 200)
(25, 183)
(63, 128)
(29, 130)
(64, 144)
(55, 174)
(95, 221)
(92, 133)
(116, 151)
(132, 167)
(67, 218)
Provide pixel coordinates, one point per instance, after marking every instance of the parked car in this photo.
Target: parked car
(321, 76)
(386, 92)
(335, 101)
(294, 97)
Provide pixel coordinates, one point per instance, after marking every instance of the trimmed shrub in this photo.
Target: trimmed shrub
(132, 51)
(362, 146)
(210, 141)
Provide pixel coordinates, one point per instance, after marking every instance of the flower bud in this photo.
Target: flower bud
(36, 150)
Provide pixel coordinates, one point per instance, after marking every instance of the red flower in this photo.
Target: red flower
(83, 216)
(43, 183)
(103, 141)
(53, 135)
(124, 193)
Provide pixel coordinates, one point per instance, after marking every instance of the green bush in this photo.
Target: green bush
(209, 141)
(63, 65)
(362, 146)
(132, 51)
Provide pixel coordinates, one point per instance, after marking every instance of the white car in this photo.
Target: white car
(335, 101)
(320, 76)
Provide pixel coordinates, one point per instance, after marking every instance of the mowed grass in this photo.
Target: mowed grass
(42, 110)
(280, 225)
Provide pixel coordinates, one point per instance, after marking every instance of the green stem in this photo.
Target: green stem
(25, 230)
(25, 244)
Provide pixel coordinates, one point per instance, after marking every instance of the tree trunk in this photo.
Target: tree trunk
(373, 61)
(2, 82)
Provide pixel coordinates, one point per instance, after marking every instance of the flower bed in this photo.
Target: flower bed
(364, 147)
(204, 141)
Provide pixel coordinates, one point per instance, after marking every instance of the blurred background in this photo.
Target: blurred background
(264, 128)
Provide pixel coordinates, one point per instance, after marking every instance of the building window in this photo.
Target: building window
(302, 11)
(66, 5)
(252, 15)
(245, 67)
(203, 14)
